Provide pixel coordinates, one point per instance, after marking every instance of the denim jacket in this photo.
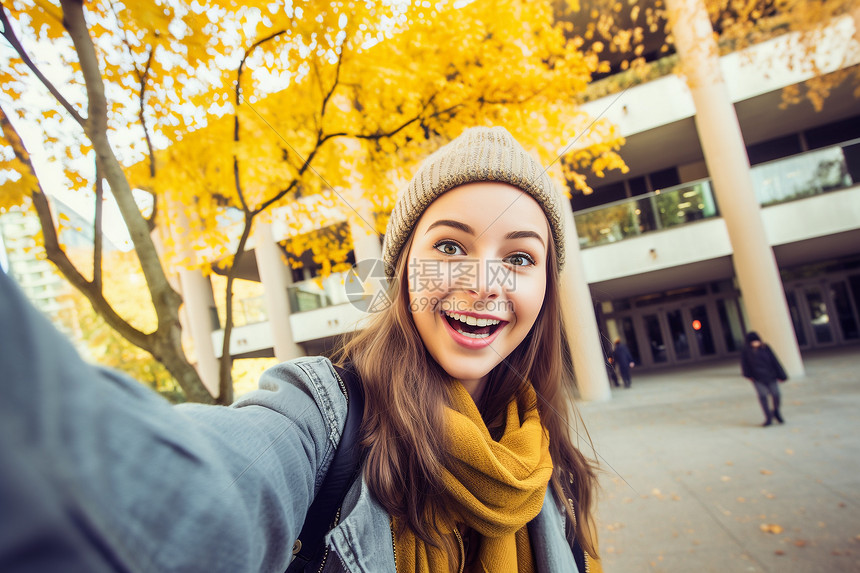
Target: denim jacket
(102, 474)
(362, 540)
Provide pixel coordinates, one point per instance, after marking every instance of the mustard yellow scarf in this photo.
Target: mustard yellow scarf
(493, 487)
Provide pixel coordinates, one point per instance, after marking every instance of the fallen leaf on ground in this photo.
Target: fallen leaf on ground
(771, 528)
(741, 500)
(766, 472)
(800, 543)
(789, 451)
(779, 552)
(725, 478)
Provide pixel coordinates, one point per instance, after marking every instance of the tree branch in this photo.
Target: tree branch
(143, 77)
(268, 202)
(238, 102)
(327, 96)
(97, 231)
(384, 134)
(165, 300)
(225, 378)
(9, 34)
(55, 251)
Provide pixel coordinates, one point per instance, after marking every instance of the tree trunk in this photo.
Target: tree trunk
(165, 343)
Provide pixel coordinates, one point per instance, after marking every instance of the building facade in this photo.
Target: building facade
(677, 266)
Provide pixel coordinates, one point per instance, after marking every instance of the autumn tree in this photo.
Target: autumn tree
(223, 113)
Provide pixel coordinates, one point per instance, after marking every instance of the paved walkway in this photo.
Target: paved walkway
(692, 483)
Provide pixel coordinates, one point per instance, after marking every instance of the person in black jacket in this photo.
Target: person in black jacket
(624, 361)
(760, 365)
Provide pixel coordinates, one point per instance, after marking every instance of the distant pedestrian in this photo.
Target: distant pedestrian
(624, 360)
(760, 365)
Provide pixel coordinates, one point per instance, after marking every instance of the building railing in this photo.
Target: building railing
(807, 174)
(250, 310)
(787, 179)
(636, 216)
(317, 293)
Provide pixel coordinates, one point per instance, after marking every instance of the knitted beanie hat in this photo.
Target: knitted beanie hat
(478, 154)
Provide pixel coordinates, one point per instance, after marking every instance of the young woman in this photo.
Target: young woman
(761, 366)
(469, 464)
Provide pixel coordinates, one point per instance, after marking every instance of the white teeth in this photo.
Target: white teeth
(470, 335)
(472, 321)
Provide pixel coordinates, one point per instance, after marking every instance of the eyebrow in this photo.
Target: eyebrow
(451, 223)
(525, 235)
(467, 229)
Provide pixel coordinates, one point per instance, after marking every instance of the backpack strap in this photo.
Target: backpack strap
(344, 467)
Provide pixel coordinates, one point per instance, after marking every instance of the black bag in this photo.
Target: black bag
(777, 367)
(343, 470)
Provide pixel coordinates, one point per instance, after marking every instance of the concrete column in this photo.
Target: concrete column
(367, 248)
(365, 240)
(728, 165)
(580, 324)
(274, 276)
(199, 302)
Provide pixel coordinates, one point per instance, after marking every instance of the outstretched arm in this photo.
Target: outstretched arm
(101, 474)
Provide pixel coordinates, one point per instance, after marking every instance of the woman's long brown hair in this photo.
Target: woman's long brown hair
(406, 395)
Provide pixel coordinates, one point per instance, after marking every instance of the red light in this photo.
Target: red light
(697, 325)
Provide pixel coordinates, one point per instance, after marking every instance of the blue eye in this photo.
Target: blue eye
(449, 248)
(520, 260)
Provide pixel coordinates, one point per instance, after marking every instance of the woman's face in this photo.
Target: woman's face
(477, 276)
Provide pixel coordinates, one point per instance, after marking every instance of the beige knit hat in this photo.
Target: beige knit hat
(478, 154)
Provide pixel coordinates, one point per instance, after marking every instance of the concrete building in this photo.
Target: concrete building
(24, 260)
(737, 214)
(38, 278)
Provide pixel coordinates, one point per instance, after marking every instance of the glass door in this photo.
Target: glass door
(844, 310)
(818, 315)
(678, 334)
(703, 334)
(797, 319)
(655, 339)
(825, 312)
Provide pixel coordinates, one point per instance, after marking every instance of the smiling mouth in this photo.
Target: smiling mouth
(471, 326)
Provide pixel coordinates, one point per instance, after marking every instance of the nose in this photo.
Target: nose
(487, 281)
